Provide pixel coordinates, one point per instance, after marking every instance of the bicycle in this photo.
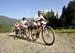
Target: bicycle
(22, 33)
(47, 32)
(16, 33)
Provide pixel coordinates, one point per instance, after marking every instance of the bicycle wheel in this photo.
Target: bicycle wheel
(27, 33)
(33, 34)
(48, 35)
(21, 33)
(16, 33)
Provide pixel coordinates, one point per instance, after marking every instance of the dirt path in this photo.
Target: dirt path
(64, 43)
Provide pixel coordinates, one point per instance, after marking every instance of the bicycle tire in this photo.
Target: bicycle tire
(27, 33)
(33, 35)
(16, 33)
(53, 34)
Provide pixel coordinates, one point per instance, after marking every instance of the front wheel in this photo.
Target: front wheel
(48, 35)
(16, 33)
(25, 33)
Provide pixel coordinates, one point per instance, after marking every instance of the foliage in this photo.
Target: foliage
(6, 24)
(68, 14)
(49, 15)
(67, 17)
(52, 18)
(5, 28)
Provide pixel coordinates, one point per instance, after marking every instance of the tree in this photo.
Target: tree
(68, 14)
(51, 17)
(56, 15)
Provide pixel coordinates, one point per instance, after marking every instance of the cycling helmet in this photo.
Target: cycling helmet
(23, 18)
(40, 12)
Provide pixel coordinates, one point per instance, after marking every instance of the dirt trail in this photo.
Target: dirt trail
(64, 43)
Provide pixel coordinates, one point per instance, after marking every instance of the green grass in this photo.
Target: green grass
(1, 35)
(5, 28)
(65, 30)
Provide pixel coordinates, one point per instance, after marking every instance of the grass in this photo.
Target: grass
(65, 30)
(1, 35)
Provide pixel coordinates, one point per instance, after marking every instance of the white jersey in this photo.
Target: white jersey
(36, 18)
(22, 23)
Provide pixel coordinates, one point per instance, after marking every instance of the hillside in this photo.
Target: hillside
(7, 20)
(6, 23)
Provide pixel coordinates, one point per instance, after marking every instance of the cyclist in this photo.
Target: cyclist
(37, 22)
(16, 26)
(23, 23)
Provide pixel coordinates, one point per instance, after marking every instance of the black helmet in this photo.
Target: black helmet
(23, 18)
(40, 11)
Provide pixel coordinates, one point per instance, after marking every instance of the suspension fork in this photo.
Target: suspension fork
(43, 27)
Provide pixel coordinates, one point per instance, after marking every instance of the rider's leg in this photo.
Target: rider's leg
(38, 30)
(37, 26)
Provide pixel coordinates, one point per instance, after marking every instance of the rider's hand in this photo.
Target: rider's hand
(47, 21)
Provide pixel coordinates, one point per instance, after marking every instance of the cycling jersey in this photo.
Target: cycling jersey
(23, 24)
(39, 19)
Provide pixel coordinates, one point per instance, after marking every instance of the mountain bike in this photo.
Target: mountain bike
(22, 33)
(47, 32)
(16, 33)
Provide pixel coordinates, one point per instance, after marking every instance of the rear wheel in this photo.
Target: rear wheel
(27, 33)
(33, 34)
(16, 33)
(48, 35)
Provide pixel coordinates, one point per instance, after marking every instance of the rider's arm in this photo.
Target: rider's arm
(44, 19)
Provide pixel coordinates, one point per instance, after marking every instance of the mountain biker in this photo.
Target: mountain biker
(16, 26)
(23, 23)
(37, 22)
